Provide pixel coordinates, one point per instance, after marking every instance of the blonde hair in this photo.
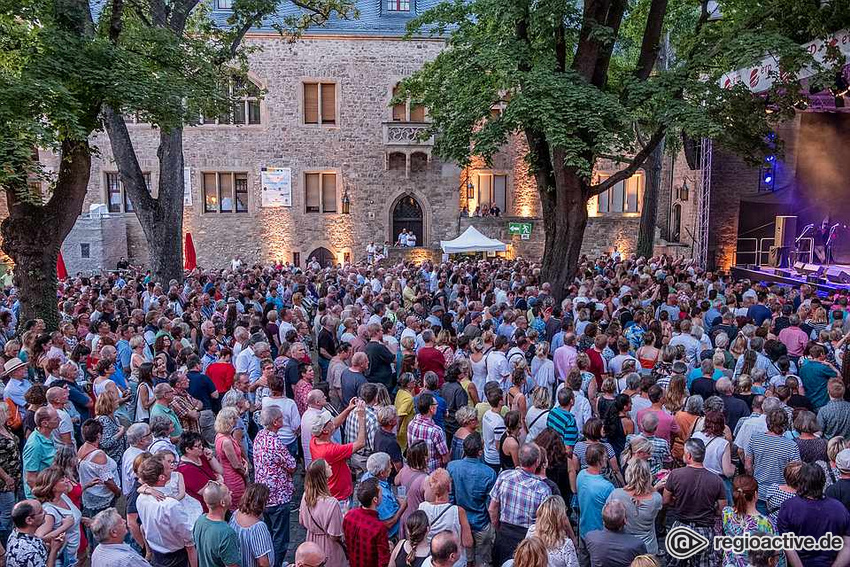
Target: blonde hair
(835, 446)
(638, 477)
(106, 403)
(644, 561)
(638, 444)
(316, 482)
(225, 421)
(552, 522)
(541, 398)
(531, 552)
(542, 349)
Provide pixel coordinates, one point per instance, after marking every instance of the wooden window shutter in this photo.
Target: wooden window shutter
(312, 192)
(398, 109)
(417, 113)
(329, 192)
(329, 103)
(311, 103)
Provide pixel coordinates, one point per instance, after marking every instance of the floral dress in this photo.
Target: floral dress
(736, 525)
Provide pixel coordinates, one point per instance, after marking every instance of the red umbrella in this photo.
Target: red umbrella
(61, 270)
(189, 253)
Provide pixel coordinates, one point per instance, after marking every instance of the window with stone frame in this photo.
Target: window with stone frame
(418, 162)
(406, 111)
(623, 197)
(116, 196)
(225, 192)
(320, 103)
(398, 5)
(244, 111)
(397, 161)
(492, 189)
(320, 194)
(224, 4)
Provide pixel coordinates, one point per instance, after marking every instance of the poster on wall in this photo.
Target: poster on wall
(187, 186)
(277, 186)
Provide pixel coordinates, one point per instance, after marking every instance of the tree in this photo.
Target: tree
(576, 85)
(178, 38)
(53, 80)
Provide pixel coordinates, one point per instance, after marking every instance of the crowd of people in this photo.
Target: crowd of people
(443, 415)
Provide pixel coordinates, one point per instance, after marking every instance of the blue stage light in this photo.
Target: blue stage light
(770, 158)
(768, 179)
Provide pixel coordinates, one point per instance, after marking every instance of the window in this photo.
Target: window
(400, 110)
(320, 192)
(245, 111)
(224, 4)
(320, 103)
(493, 189)
(225, 192)
(296, 259)
(85, 250)
(398, 5)
(397, 162)
(682, 193)
(624, 197)
(419, 162)
(116, 196)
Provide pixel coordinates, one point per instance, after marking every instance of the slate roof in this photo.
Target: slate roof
(374, 18)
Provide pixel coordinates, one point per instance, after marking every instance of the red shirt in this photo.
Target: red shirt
(430, 359)
(196, 478)
(336, 456)
(222, 374)
(597, 365)
(366, 538)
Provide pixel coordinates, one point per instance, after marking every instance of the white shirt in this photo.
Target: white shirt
(291, 418)
(166, 524)
(311, 415)
(282, 329)
(497, 366)
(748, 427)
(492, 426)
(65, 426)
(127, 474)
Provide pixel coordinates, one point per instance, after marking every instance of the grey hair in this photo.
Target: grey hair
(649, 422)
(160, 425)
(232, 399)
(268, 414)
(385, 415)
(724, 386)
(696, 332)
(465, 415)
(529, 455)
(696, 449)
(632, 380)
(614, 515)
(136, 432)
(104, 522)
(714, 403)
(377, 463)
(694, 405)
(721, 340)
(770, 404)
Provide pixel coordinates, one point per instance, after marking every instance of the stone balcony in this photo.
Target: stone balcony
(406, 134)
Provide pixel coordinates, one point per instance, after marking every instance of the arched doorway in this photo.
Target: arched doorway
(407, 215)
(323, 256)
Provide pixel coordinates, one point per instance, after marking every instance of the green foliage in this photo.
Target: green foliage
(507, 50)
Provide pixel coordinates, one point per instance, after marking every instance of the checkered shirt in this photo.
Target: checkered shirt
(519, 494)
(424, 429)
(352, 429)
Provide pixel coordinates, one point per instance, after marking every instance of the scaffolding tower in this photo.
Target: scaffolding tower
(703, 204)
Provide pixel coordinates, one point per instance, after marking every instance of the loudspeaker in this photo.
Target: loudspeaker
(798, 267)
(838, 275)
(812, 269)
(786, 231)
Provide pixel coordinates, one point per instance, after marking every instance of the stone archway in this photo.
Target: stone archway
(323, 256)
(407, 214)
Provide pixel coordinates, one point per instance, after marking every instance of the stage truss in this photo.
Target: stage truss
(703, 204)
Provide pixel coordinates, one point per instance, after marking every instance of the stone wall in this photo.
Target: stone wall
(103, 236)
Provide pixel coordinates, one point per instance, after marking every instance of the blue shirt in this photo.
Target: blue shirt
(472, 482)
(124, 353)
(388, 506)
(201, 387)
(697, 373)
(118, 378)
(814, 376)
(759, 314)
(593, 491)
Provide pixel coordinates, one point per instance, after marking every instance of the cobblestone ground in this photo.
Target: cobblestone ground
(297, 533)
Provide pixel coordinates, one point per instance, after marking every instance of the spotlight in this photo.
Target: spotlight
(770, 158)
(768, 179)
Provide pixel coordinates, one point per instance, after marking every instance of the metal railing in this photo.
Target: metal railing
(738, 252)
(760, 253)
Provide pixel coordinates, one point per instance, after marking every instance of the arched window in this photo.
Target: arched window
(397, 161)
(245, 110)
(676, 223)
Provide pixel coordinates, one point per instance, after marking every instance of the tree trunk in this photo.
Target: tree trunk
(33, 234)
(161, 218)
(649, 214)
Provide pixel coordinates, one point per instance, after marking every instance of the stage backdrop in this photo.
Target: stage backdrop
(823, 175)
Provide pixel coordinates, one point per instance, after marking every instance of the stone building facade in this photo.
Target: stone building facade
(325, 116)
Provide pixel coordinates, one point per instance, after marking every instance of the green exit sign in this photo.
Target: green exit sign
(521, 228)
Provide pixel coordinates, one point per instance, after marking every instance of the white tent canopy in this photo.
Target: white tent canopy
(472, 241)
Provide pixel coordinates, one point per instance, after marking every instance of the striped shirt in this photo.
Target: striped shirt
(564, 424)
(770, 454)
(255, 542)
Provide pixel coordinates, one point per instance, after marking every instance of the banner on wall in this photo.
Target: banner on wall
(276, 186)
(187, 186)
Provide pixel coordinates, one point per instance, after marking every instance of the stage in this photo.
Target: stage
(832, 278)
